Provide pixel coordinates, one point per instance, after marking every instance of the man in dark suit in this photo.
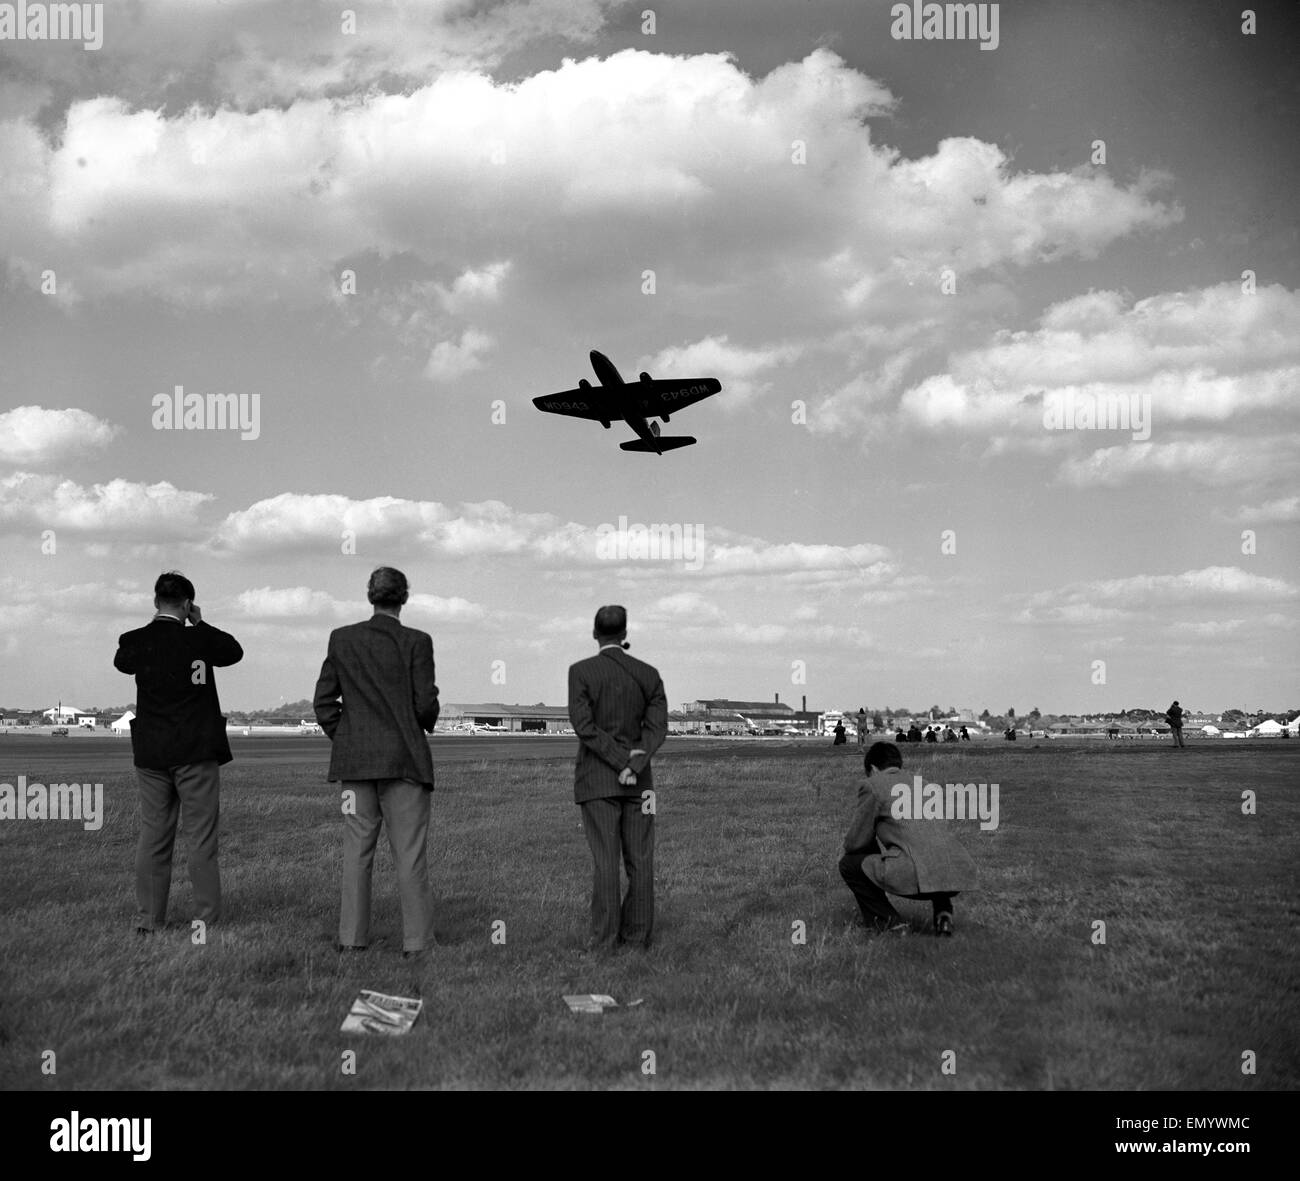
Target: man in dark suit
(385, 676)
(619, 712)
(178, 741)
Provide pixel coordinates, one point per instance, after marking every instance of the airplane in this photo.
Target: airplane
(632, 402)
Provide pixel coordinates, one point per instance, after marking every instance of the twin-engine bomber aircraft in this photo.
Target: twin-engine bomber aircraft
(633, 402)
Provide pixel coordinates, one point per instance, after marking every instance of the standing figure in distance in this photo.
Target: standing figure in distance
(1175, 717)
(619, 712)
(384, 673)
(178, 743)
(862, 728)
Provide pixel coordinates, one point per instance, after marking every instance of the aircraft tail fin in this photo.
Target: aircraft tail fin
(661, 443)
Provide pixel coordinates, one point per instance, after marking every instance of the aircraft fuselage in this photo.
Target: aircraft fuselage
(622, 397)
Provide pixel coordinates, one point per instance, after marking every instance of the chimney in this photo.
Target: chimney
(803, 709)
(778, 699)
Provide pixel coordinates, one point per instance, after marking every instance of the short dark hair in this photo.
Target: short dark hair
(880, 756)
(610, 621)
(387, 587)
(173, 587)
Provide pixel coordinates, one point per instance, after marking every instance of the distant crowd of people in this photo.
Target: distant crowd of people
(932, 733)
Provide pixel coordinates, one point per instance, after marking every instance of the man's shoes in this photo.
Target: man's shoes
(143, 932)
(943, 923)
(344, 948)
(422, 954)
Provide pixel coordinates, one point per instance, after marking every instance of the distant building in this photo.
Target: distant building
(719, 715)
(63, 715)
(515, 719)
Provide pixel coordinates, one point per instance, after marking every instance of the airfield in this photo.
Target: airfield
(759, 977)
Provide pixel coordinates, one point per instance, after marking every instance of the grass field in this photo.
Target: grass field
(1199, 962)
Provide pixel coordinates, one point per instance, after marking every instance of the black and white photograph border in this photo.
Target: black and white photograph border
(716, 545)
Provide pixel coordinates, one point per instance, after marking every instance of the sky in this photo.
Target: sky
(923, 271)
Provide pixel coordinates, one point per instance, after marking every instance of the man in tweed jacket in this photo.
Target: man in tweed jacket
(619, 712)
(384, 673)
(909, 858)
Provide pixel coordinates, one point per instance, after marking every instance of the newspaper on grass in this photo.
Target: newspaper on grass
(373, 1012)
(595, 1002)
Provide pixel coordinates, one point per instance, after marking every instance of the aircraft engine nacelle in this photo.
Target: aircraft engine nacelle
(584, 384)
(605, 423)
(654, 429)
(646, 377)
(665, 417)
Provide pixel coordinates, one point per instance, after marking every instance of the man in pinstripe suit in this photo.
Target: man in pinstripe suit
(620, 715)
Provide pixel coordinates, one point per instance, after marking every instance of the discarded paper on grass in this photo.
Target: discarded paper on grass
(374, 1012)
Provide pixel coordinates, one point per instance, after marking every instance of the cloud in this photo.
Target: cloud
(118, 509)
(293, 602)
(442, 610)
(1104, 599)
(475, 286)
(1214, 460)
(255, 53)
(737, 367)
(449, 360)
(1207, 356)
(559, 172)
(32, 435)
(1284, 510)
(317, 522)
(304, 603)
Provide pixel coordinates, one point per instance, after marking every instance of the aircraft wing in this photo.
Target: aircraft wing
(575, 403)
(669, 395)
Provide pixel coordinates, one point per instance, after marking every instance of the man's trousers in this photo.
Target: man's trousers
(403, 806)
(617, 829)
(873, 902)
(190, 791)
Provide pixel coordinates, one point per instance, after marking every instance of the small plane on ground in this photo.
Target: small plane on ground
(633, 402)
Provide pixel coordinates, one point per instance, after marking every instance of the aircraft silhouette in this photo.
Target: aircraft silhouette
(632, 402)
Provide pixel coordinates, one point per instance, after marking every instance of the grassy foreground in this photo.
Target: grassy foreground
(1198, 966)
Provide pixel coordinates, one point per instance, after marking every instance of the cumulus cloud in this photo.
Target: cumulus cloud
(253, 53)
(452, 359)
(1283, 510)
(1203, 357)
(33, 435)
(302, 602)
(558, 172)
(1214, 460)
(117, 509)
(290, 602)
(1103, 599)
(737, 367)
(316, 523)
(84, 598)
